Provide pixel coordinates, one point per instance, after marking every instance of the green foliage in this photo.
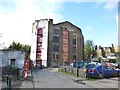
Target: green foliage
(88, 49)
(112, 49)
(103, 52)
(18, 46)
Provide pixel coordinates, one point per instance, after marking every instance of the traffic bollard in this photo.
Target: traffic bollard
(9, 82)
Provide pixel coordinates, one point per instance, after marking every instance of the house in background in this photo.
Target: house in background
(110, 53)
(117, 50)
(13, 58)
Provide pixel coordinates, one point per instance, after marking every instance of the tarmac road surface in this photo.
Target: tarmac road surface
(51, 78)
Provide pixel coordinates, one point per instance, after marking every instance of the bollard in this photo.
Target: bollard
(18, 73)
(77, 72)
(65, 69)
(9, 82)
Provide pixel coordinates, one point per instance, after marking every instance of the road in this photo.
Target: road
(46, 78)
(50, 78)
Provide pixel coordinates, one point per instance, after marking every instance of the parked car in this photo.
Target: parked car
(78, 64)
(101, 70)
(87, 66)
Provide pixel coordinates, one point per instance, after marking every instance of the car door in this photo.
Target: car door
(107, 71)
(114, 72)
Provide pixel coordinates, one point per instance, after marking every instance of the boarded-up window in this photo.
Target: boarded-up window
(55, 39)
(56, 31)
(74, 49)
(55, 48)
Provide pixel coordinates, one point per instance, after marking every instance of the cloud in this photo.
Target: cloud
(110, 5)
(98, 1)
(16, 24)
(89, 28)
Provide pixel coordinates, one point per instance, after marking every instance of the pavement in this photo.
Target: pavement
(14, 83)
(97, 83)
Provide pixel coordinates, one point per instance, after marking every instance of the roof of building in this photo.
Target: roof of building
(12, 50)
(70, 24)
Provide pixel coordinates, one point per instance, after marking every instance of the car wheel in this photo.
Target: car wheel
(101, 76)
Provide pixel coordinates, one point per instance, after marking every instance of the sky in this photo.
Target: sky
(96, 18)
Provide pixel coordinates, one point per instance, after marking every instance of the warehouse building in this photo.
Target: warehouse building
(56, 44)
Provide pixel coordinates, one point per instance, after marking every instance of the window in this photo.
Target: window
(74, 57)
(55, 39)
(39, 40)
(55, 48)
(57, 56)
(74, 49)
(40, 31)
(74, 34)
(39, 49)
(12, 63)
(53, 56)
(74, 40)
(40, 36)
(56, 31)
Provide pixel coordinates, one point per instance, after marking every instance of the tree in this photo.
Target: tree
(95, 51)
(18, 46)
(88, 49)
(103, 52)
(112, 49)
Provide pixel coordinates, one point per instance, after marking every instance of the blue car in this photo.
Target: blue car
(100, 71)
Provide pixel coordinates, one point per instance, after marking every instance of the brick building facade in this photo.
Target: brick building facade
(66, 43)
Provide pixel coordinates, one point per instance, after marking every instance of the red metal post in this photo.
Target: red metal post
(27, 67)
